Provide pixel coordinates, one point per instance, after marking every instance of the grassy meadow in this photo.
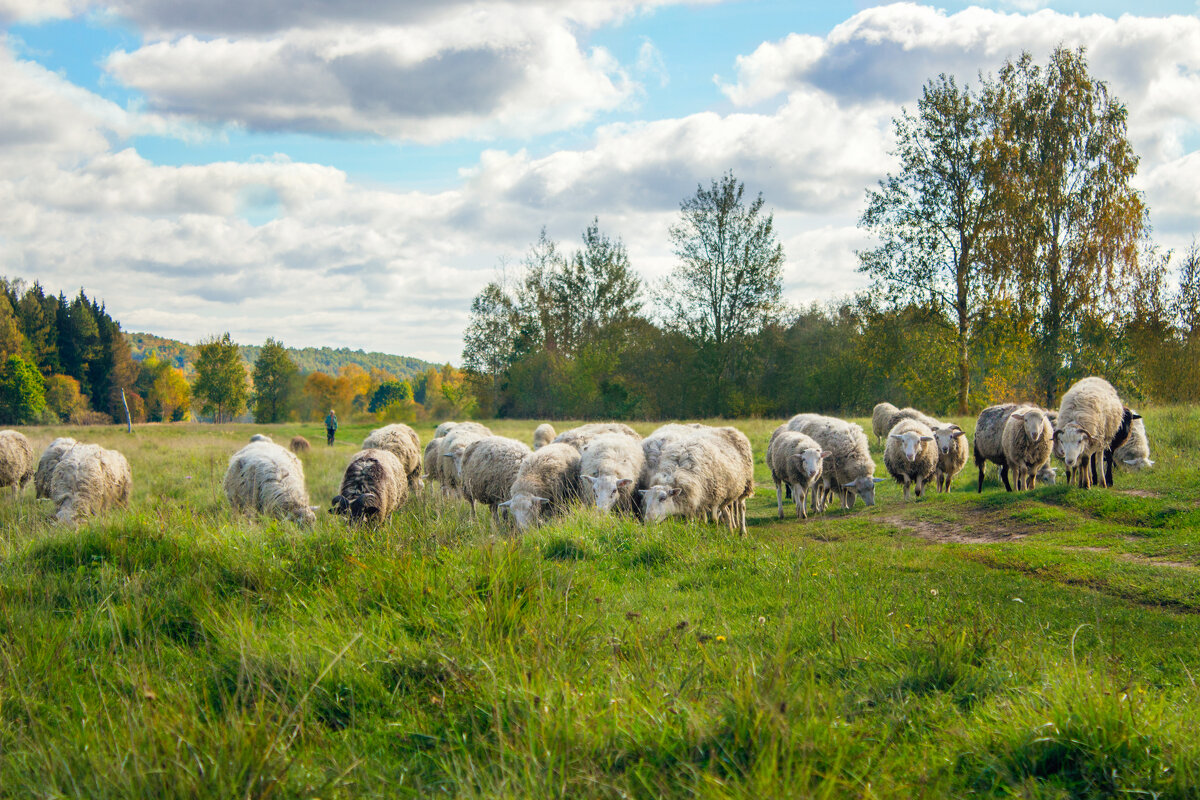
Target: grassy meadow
(1038, 645)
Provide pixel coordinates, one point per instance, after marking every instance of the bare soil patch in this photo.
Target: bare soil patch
(1139, 493)
(980, 530)
(1138, 558)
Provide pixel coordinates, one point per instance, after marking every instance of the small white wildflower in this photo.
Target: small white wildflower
(1018, 600)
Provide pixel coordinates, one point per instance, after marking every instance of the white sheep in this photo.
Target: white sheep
(1134, 453)
(578, 437)
(89, 479)
(952, 449)
(547, 482)
(374, 485)
(460, 437)
(1089, 418)
(16, 460)
(402, 442)
(1027, 441)
(487, 469)
(611, 468)
(849, 470)
(268, 479)
(443, 429)
(881, 417)
(46, 464)
(910, 456)
(543, 435)
(795, 459)
(702, 476)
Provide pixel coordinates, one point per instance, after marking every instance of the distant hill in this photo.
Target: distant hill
(310, 359)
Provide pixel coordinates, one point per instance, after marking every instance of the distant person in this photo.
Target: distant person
(330, 427)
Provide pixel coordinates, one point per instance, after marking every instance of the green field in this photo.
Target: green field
(1042, 645)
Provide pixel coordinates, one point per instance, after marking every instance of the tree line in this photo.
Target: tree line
(1012, 256)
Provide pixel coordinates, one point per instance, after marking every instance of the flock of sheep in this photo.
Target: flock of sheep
(695, 471)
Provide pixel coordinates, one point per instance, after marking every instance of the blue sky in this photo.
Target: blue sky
(351, 173)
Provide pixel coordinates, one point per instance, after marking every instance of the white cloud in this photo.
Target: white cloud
(650, 63)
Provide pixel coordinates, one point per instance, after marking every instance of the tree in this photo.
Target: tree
(22, 392)
(1070, 221)
(165, 389)
(390, 393)
(274, 382)
(728, 283)
(63, 397)
(933, 217)
(488, 343)
(220, 378)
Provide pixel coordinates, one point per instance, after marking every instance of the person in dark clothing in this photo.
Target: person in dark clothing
(330, 427)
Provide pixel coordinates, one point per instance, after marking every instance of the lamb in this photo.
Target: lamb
(795, 459)
(404, 444)
(299, 445)
(1089, 418)
(46, 464)
(487, 469)
(543, 435)
(578, 437)
(268, 479)
(952, 449)
(849, 470)
(699, 476)
(88, 480)
(1027, 441)
(16, 460)
(374, 485)
(547, 482)
(989, 435)
(611, 467)
(881, 415)
(1134, 453)
(910, 456)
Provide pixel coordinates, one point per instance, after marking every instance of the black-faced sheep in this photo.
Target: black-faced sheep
(373, 486)
(16, 460)
(910, 455)
(547, 482)
(402, 442)
(953, 450)
(795, 459)
(543, 435)
(487, 469)
(88, 480)
(1027, 441)
(989, 440)
(268, 479)
(1089, 419)
(46, 464)
(611, 467)
(702, 476)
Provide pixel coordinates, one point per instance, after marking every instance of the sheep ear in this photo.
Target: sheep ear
(624, 482)
(674, 492)
(958, 433)
(505, 504)
(1056, 435)
(1149, 463)
(1015, 415)
(895, 436)
(1134, 415)
(592, 478)
(1130, 461)
(954, 427)
(926, 438)
(644, 492)
(826, 453)
(879, 480)
(541, 499)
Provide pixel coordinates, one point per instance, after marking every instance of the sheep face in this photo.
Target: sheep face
(1035, 422)
(911, 443)
(607, 489)
(526, 510)
(364, 508)
(864, 487)
(944, 438)
(1048, 475)
(456, 459)
(305, 516)
(1074, 441)
(659, 502)
(811, 460)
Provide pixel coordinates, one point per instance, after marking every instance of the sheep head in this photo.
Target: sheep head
(659, 502)
(606, 489)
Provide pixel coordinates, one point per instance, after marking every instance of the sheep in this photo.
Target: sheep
(611, 467)
(404, 444)
(46, 464)
(849, 470)
(701, 475)
(460, 437)
(739, 443)
(881, 415)
(1048, 475)
(261, 437)
(1134, 452)
(653, 445)
(1089, 418)
(952, 449)
(547, 482)
(268, 479)
(910, 456)
(910, 413)
(1027, 441)
(487, 469)
(1129, 418)
(795, 459)
(16, 460)
(88, 480)
(989, 446)
(373, 486)
(578, 437)
(443, 429)
(299, 445)
(543, 435)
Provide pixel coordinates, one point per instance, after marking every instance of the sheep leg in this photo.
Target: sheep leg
(801, 494)
(1108, 465)
(906, 485)
(920, 486)
(1004, 477)
(742, 515)
(779, 497)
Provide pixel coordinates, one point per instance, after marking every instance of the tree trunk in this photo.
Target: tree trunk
(964, 364)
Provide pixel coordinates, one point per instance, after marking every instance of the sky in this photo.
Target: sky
(351, 172)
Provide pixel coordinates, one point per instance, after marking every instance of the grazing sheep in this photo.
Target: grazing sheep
(299, 445)
(989, 440)
(543, 435)
(795, 459)
(487, 469)
(952, 448)
(881, 415)
(88, 480)
(849, 471)
(46, 464)
(443, 429)
(460, 437)
(404, 444)
(701, 476)
(268, 479)
(912, 413)
(1134, 453)
(611, 468)
(16, 460)
(547, 482)
(738, 443)
(1089, 419)
(578, 437)
(1129, 418)
(261, 437)
(1048, 475)
(373, 486)
(910, 456)
(1027, 442)
(653, 445)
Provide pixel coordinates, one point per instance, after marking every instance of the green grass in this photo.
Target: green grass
(1041, 645)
